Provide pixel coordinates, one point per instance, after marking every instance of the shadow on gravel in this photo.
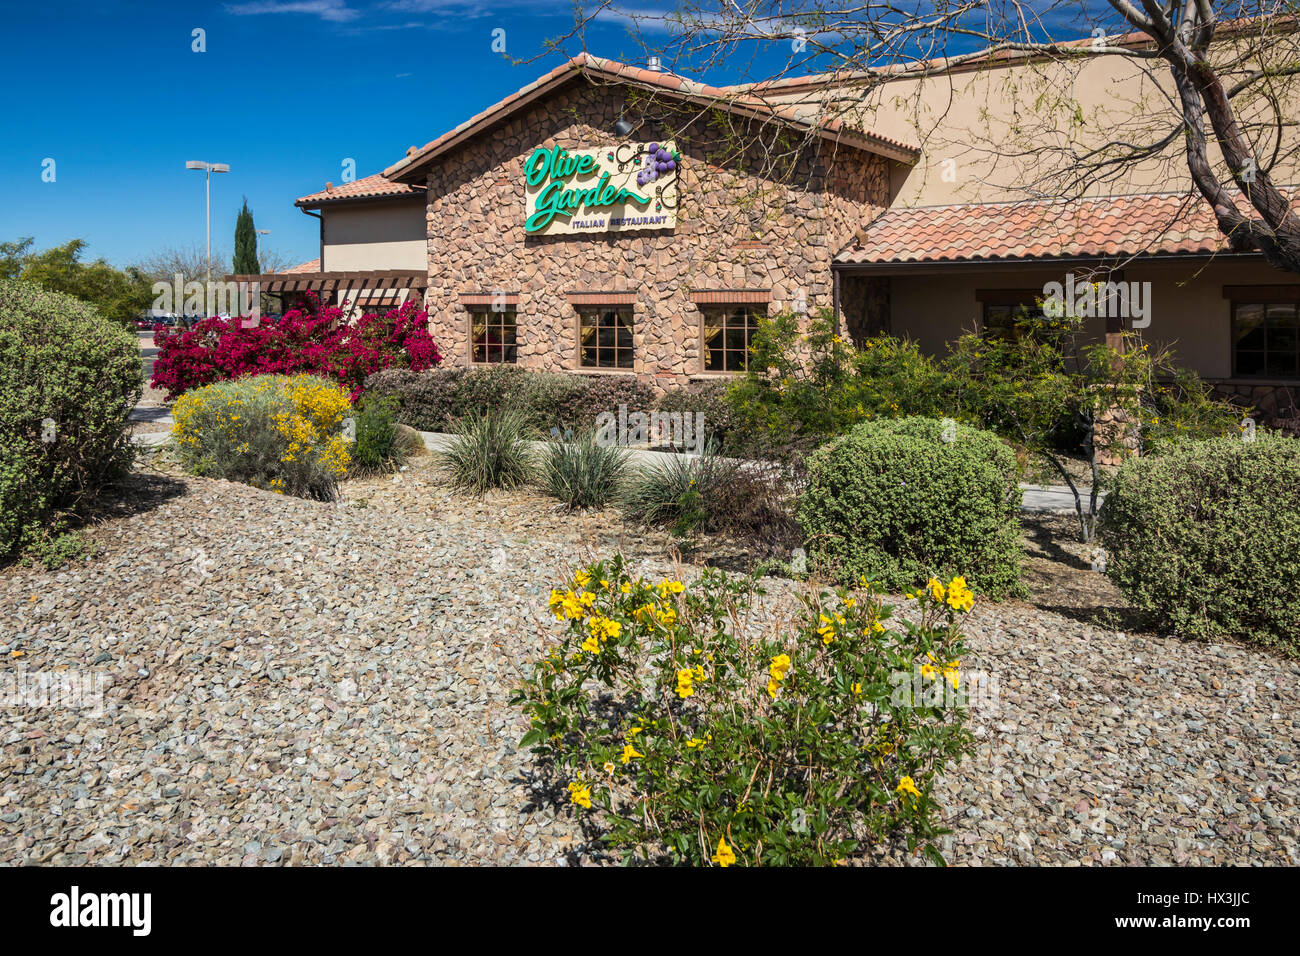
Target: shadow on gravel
(138, 493)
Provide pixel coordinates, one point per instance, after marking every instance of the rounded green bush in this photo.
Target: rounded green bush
(68, 380)
(1206, 537)
(892, 500)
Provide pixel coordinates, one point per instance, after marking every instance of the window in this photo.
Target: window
(605, 338)
(493, 336)
(726, 335)
(1266, 339)
(1001, 319)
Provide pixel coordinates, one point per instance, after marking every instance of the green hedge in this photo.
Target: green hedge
(1207, 538)
(431, 400)
(59, 360)
(895, 502)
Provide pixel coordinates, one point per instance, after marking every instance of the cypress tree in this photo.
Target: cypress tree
(246, 243)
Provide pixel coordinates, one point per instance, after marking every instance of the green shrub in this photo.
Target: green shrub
(598, 393)
(722, 425)
(277, 432)
(426, 400)
(583, 473)
(60, 361)
(805, 383)
(894, 501)
(381, 443)
(489, 450)
(1207, 538)
(432, 400)
(693, 735)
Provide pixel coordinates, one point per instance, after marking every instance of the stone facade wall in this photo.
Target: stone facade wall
(1276, 406)
(736, 229)
(864, 306)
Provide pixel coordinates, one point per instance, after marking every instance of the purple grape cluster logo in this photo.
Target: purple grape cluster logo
(658, 162)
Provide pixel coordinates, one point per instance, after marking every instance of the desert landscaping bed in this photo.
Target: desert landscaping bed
(297, 682)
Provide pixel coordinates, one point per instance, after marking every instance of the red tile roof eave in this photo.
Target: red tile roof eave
(373, 187)
(308, 203)
(664, 82)
(904, 265)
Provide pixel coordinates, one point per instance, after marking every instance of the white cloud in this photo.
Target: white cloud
(333, 11)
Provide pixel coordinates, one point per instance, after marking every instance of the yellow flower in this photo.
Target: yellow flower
(603, 628)
(857, 689)
(936, 589)
(948, 669)
(580, 794)
(581, 579)
(684, 687)
(629, 752)
(960, 597)
(724, 857)
(667, 616)
(694, 743)
(773, 688)
(626, 587)
(592, 644)
(670, 587)
(779, 667)
(907, 785)
(556, 602)
(568, 607)
(609, 766)
(828, 628)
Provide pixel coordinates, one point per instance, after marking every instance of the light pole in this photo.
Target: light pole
(208, 170)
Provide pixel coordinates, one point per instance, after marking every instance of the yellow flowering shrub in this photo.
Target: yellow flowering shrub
(282, 433)
(697, 736)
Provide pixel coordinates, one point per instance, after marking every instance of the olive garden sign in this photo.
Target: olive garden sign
(632, 186)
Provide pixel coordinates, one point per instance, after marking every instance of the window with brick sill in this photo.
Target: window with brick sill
(726, 336)
(494, 337)
(605, 338)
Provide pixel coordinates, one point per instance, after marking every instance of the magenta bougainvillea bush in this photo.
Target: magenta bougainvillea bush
(315, 340)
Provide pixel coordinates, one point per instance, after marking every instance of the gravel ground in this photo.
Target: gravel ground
(296, 682)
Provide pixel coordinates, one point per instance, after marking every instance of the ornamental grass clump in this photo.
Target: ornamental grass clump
(582, 473)
(489, 450)
(281, 433)
(697, 736)
(1201, 536)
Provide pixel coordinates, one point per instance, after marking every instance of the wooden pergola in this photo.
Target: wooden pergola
(362, 289)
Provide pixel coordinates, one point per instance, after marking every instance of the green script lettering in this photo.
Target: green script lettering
(555, 200)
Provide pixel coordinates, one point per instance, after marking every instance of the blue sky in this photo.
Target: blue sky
(286, 91)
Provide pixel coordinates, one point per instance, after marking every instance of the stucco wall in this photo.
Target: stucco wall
(988, 134)
(375, 236)
(736, 230)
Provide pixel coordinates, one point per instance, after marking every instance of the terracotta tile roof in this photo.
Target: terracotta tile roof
(310, 266)
(372, 187)
(1152, 224)
(609, 70)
